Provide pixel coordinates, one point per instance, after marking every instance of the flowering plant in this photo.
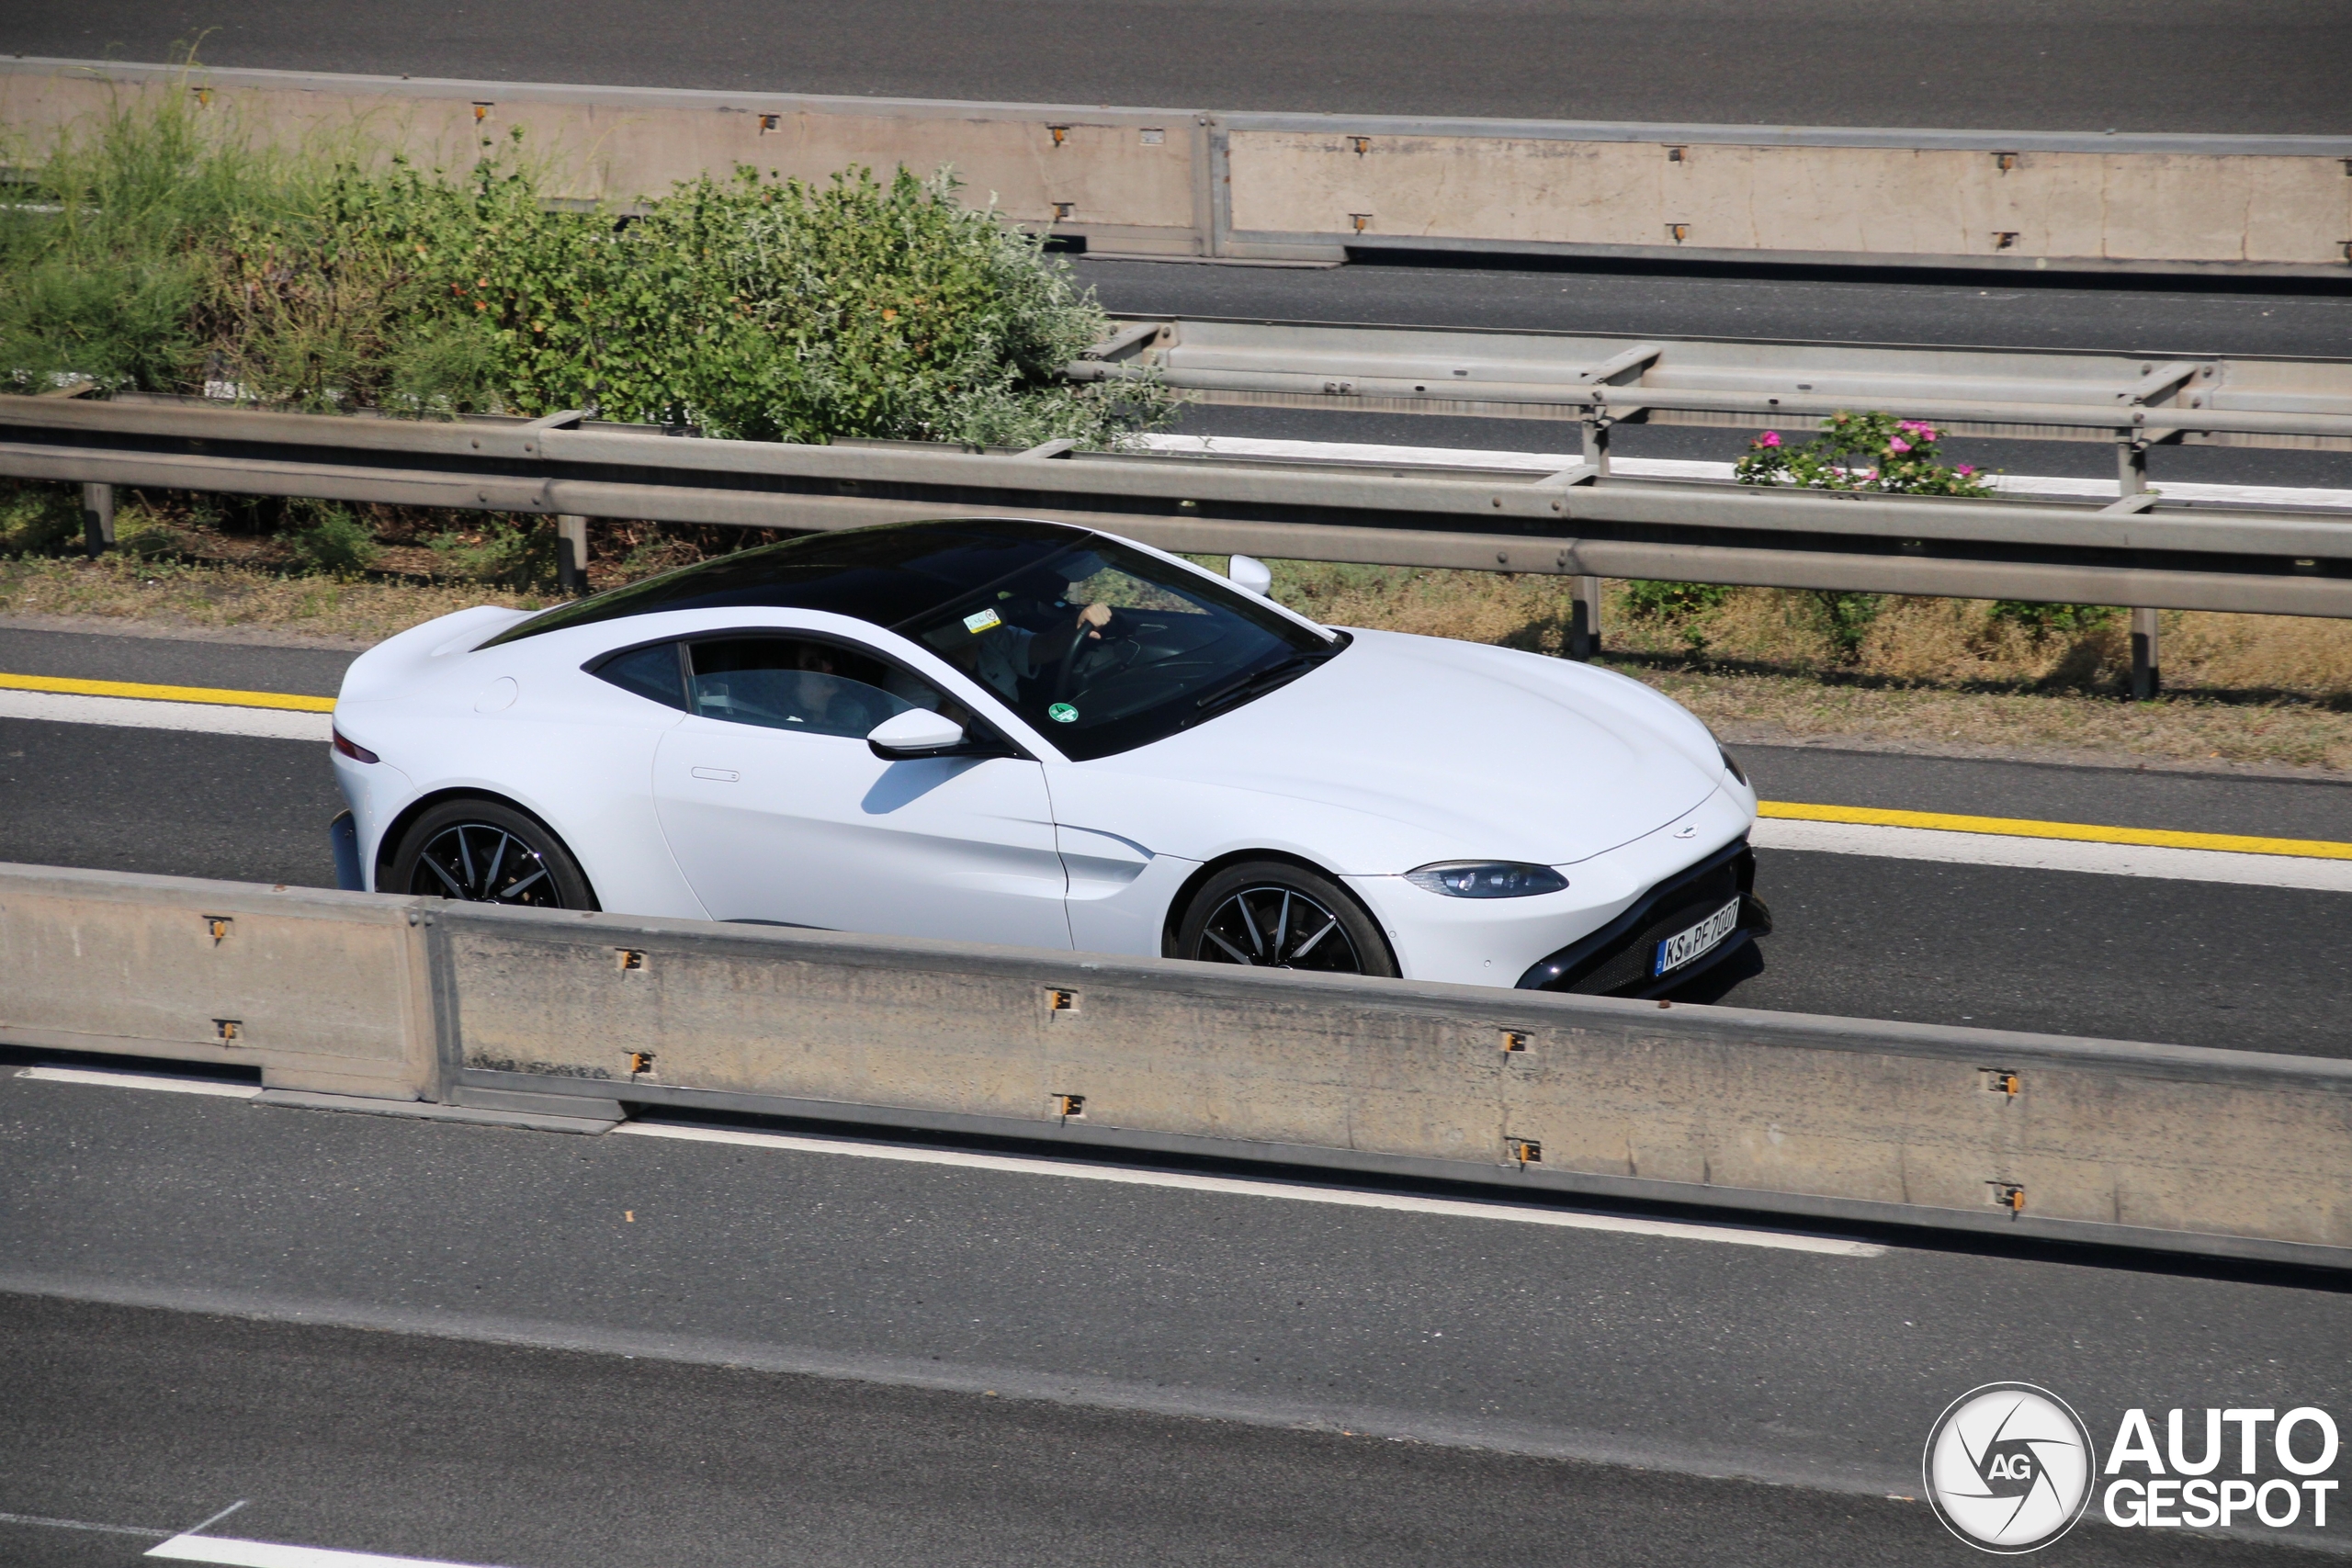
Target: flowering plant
(1861, 452)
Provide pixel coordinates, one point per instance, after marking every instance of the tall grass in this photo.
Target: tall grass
(105, 261)
(167, 247)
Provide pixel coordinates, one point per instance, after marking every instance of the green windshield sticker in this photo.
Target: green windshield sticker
(982, 620)
(1062, 713)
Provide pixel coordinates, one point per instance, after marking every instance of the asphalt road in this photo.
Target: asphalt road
(627, 1350)
(2160, 320)
(542, 1459)
(542, 1350)
(2067, 953)
(2160, 317)
(2274, 66)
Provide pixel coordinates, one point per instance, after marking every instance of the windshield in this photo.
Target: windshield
(1104, 649)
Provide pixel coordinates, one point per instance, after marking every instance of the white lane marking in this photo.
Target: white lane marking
(76, 1525)
(2046, 485)
(270, 1554)
(1395, 1203)
(109, 1079)
(138, 713)
(2052, 854)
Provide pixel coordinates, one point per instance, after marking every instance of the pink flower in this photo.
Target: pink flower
(1965, 469)
(1898, 444)
(1769, 438)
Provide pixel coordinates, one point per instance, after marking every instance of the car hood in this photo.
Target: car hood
(1447, 749)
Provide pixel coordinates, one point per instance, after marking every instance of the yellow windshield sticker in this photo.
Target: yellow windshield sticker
(982, 620)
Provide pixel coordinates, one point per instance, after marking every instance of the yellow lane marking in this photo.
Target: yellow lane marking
(2087, 832)
(1796, 811)
(218, 697)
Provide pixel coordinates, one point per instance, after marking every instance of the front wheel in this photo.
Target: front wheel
(1274, 915)
(488, 853)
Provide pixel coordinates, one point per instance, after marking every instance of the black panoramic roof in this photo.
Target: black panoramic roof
(885, 575)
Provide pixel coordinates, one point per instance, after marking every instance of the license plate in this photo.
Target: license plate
(1696, 941)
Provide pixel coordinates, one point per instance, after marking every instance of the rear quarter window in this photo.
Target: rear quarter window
(650, 673)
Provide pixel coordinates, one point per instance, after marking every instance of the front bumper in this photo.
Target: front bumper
(1618, 959)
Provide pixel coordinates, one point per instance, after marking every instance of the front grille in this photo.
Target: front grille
(1630, 963)
(1617, 958)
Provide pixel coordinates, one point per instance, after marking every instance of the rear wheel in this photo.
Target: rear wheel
(488, 853)
(1274, 915)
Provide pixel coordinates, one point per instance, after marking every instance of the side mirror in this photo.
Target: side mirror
(918, 732)
(1250, 572)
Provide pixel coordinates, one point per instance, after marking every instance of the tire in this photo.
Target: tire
(487, 853)
(1236, 916)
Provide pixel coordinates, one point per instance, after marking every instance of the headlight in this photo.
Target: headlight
(1486, 879)
(1730, 763)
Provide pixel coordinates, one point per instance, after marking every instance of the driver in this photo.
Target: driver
(1007, 654)
(816, 693)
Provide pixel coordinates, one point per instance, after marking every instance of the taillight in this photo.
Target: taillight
(354, 751)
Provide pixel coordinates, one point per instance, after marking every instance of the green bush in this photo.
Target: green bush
(1860, 452)
(1672, 601)
(166, 247)
(1899, 455)
(2066, 620)
(332, 540)
(178, 257)
(37, 518)
(498, 552)
(104, 268)
(1845, 618)
(1679, 604)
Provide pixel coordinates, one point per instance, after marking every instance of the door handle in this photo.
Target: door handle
(722, 776)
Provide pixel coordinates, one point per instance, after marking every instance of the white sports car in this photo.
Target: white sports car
(1027, 733)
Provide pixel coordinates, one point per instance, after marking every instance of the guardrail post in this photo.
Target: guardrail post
(572, 553)
(98, 519)
(2147, 675)
(2130, 479)
(2131, 465)
(1584, 618)
(1596, 443)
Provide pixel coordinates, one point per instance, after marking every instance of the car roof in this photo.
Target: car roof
(885, 575)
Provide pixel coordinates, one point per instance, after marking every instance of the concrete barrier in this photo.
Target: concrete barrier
(1999, 199)
(2201, 1150)
(1270, 187)
(323, 991)
(1123, 179)
(564, 1015)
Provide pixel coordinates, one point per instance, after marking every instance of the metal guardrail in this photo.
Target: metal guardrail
(2140, 551)
(564, 1021)
(2134, 399)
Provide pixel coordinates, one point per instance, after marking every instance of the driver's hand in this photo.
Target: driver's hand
(1097, 616)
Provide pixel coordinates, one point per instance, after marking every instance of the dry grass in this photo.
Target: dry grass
(214, 564)
(1937, 674)
(220, 597)
(2181, 729)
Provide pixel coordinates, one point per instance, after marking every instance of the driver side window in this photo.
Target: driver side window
(804, 684)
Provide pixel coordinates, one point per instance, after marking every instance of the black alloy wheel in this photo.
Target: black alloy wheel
(488, 853)
(1273, 915)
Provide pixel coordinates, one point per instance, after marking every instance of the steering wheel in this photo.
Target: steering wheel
(1065, 663)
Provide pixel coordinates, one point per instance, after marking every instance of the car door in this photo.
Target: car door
(778, 811)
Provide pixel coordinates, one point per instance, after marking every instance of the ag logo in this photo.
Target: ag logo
(2009, 1467)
